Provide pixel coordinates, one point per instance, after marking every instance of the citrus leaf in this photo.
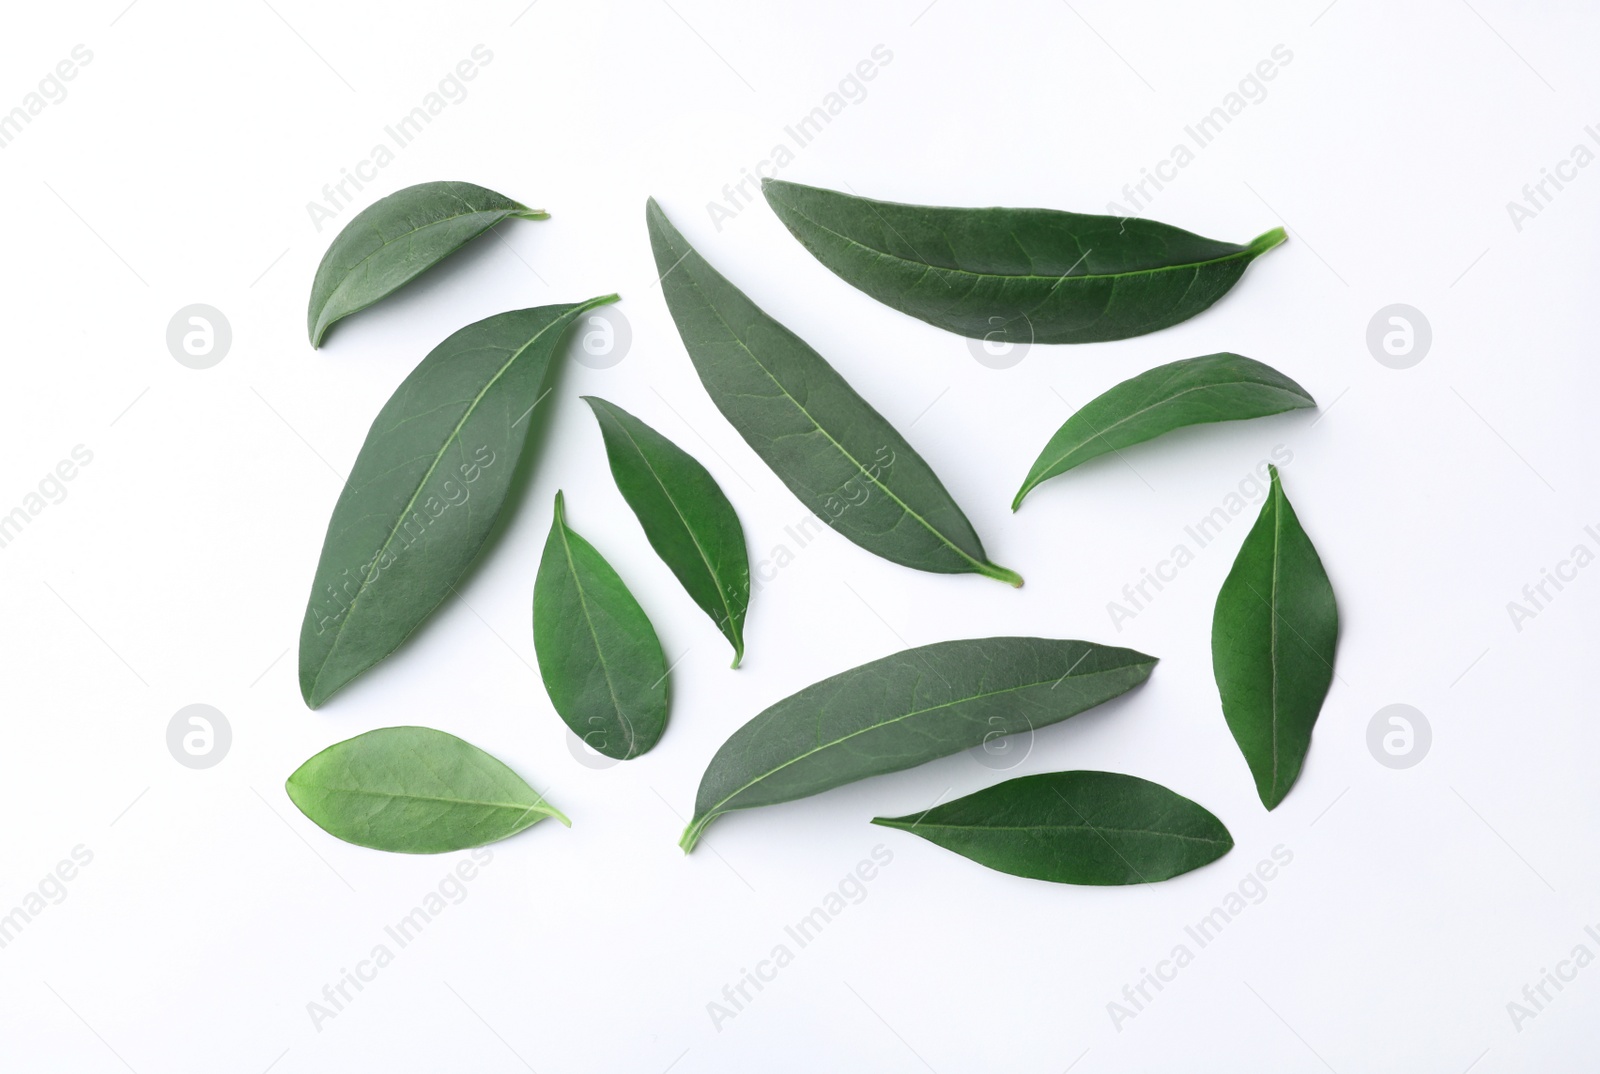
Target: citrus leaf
(907, 709)
(834, 451)
(1214, 387)
(1075, 828)
(396, 239)
(686, 517)
(1015, 275)
(414, 790)
(598, 654)
(1273, 638)
(426, 489)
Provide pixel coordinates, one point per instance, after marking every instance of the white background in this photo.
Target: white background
(1418, 903)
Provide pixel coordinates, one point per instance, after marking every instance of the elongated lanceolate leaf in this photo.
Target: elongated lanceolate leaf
(1075, 828)
(1272, 645)
(397, 238)
(837, 454)
(1215, 387)
(415, 790)
(598, 654)
(1015, 275)
(686, 517)
(907, 709)
(425, 490)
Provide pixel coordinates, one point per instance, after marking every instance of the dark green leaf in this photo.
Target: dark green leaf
(425, 490)
(837, 454)
(1015, 275)
(1076, 828)
(1272, 645)
(415, 790)
(904, 710)
(397, 238)
(1215, 387)
(598, 654)
(687, 519)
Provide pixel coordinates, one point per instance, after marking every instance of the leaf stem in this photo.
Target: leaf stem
(1267, 240)
(691, 834)
(1010, 577)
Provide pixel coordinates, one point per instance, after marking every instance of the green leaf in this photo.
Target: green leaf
(414, 790)
(1272, 645)
(1214, 387)
(1076, 828)
(907, 709)
(598, 654)
(396, 239)
(1015, 275)
(686, 517)
(837, 454)
(425, 490)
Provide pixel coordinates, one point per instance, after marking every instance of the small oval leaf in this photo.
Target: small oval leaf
(1273, 638)
(686, 517)
(1099, 828)
(1214, 387)
(414, 790)
(425, 490)
(1015, 275)
(834, 451)
(907, 709)
(599, 656)
(396, 239)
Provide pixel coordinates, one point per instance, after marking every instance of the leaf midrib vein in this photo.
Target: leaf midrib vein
(1182, 265)
(906, 509)
(386, 243)
(594, 635)
(716, 581)
(904, 716)
(1164, 401)
(443, 449)
(1095, 828)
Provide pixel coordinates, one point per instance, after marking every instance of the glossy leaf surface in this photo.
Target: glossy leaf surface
(1075, 828)
(907, 709)
(396, 239)
(686, 517)
(1015, 275)
(426, 489)
(1273, 638)
(834, 451)
(1215, 387)
(598, 654)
